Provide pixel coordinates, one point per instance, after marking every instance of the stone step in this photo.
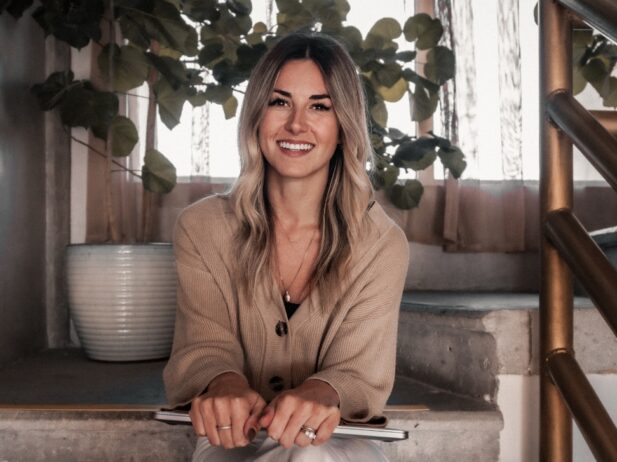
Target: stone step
(462, 341)
(454, 428)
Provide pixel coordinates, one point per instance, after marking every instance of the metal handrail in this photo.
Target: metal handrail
(594, 141)
(594, 422)
(569, 386)
(599, 14)
(608, 119)
(586, 260)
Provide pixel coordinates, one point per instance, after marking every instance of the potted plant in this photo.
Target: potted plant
(201, 51)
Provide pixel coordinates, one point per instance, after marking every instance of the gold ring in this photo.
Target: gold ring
(309, 432)
(223, 427)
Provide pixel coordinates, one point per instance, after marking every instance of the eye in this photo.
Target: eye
(277, 102)
(321, 107)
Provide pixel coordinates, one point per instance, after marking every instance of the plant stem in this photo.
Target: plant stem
(112, 223)
(102, 154)
(146, 222)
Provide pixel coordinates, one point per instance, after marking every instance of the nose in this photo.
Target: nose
(296, 122)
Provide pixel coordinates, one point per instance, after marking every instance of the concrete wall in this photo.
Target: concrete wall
(22, 190)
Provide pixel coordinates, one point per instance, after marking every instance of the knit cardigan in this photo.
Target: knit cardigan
(348, 342)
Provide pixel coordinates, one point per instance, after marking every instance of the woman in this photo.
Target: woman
(289, 287)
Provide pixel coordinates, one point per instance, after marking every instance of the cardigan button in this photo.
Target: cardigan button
(276, 384)
(281, 328)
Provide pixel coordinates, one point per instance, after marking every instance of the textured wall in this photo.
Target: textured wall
(22, 190)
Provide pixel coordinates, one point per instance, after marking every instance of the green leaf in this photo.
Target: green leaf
(240, 7)
(578, 81)
(73, 22)
(50, 93)
(158, 173)
(454, 160)
(228, 74)
(201, 10)
(210, 54)
(406, 196)
(83, 106)
(423, 103)
(581, 40)
(417, 155)
(610, 94)
(395, 92)
(260, 28)
(382, 33)
(172, 70)
(596, 73)
(170, 101)
(229, 107)
(379, 113)
(411, 76)
(351, 38)
(405, 56)
(124, 136)
(384, 179)
(218, 94)
(198, 99)
(425, 30)
(167, 26)
(131, 67)
(440, 65)
(389, 74)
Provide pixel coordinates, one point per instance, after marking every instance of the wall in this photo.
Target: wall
(22, 190)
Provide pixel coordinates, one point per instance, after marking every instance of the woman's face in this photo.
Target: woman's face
(299, 131)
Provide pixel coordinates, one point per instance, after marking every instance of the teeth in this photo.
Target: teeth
(295, 147)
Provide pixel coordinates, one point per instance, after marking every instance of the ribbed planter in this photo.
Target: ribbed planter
(123, 299)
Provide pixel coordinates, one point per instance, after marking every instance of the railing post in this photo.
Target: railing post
(555, 193)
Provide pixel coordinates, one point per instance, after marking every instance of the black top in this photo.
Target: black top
(290, 308)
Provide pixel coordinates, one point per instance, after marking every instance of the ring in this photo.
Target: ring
(223, 427)
(309, 432)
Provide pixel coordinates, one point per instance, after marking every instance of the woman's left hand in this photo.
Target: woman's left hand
(313, 405)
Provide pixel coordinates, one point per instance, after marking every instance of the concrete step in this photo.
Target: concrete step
(455, 428)
(462, 341)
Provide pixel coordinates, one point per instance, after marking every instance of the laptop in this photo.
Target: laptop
(342, 431)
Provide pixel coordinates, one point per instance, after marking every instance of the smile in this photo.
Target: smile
(295, 146)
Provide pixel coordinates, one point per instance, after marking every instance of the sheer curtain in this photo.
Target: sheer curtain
(491, 110)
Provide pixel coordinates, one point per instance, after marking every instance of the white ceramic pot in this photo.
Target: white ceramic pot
(123, 299)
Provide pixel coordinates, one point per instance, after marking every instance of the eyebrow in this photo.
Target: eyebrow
(288, 95)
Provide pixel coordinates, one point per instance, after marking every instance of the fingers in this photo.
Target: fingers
(252, 424)
(222, 418)
(228, 421)
(324, 432)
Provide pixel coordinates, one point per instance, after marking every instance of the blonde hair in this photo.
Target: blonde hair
(348, 191)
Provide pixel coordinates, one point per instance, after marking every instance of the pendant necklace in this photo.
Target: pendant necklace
(286, 295)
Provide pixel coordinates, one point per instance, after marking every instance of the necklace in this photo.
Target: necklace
(286, 295)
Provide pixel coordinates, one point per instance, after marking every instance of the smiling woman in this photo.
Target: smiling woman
(299, 131)
(286, 282)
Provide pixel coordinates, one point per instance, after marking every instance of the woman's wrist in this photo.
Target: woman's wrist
(329, 395)
(226, 380)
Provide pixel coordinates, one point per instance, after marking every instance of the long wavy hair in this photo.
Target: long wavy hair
(348, 191)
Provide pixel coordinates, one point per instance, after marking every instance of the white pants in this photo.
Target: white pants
(264, 449)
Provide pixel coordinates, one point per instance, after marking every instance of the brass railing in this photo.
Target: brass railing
(564, 389)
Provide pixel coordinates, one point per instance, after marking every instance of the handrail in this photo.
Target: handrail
(608, 119)
(598, 145)
(594, 422)
(556, 300)
(599, 14)
(586, 260)
(565, 241)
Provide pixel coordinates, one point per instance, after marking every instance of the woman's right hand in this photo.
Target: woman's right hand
(228, 413)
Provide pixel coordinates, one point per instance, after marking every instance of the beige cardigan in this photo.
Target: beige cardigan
(349, 343)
